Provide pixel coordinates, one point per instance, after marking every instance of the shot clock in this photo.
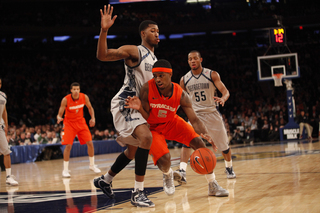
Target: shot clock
(277, 36)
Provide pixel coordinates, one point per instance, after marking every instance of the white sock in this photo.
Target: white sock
(91, 159)
(228, 163)
(167, 173)
(108, 178)
(66, 165)
(138, 185)
(183, 166)
(210, 177)
(8, 171)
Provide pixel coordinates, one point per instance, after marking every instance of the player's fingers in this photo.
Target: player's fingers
(114, 18)
(111, 10)
(105, 9)
(101, 13)
(108, 10)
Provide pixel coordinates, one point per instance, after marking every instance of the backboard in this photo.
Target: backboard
(285, 64)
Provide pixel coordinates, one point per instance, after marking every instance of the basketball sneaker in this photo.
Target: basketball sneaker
(11, 180)
(94, 168)
(140, 199)
(65, 174)
(168, 185)
(104, 186)
(180, 176)
(230, 173)
(216, 190)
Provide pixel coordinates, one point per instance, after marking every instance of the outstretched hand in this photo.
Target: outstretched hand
(132, 102)
(106, 17)
(219, 100)
(209, 139)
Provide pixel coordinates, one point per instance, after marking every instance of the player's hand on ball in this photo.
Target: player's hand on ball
(133, 102)
(106, 17)
(209, 139)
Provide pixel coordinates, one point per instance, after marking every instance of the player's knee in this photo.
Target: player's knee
(146, 141)
(226, 151)
(90, 144)
(68, 147)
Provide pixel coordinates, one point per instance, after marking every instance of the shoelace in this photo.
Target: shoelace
(214, 185)
(168, 180)
(142, 196)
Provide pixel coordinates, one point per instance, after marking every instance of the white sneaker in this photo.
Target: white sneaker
(168, 184)
(65, 174)
(94, 168)
(11, 180)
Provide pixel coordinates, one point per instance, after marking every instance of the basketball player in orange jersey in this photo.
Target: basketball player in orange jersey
(202, 84)
(160, 100)
(75, 124)
(133, 130)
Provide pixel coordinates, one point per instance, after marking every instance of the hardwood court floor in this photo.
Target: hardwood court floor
(271, 177)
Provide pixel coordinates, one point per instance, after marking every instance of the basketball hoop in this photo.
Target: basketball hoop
(277, 79)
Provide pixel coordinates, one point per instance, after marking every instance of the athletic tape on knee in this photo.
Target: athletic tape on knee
(141, 160)
(121, 162)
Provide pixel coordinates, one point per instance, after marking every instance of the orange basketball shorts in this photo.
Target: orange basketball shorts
(177, 130)
(73, 128)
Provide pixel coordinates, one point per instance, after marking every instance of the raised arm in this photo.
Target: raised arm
(221, 87)
(127, 52)
(61, 110)
(92, 121)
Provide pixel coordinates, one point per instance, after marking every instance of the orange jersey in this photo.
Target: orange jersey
(74, 108)
(163, 109)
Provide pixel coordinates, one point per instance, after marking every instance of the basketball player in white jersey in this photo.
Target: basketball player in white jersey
(201, 84)
(132, 127)
(4, 146)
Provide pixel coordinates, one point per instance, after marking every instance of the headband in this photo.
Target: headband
(161, 69)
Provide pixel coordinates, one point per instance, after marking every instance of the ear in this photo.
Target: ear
(201, 59)
(143, 34)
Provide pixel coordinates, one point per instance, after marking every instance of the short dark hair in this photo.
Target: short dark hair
(195, 51)
(74, 84)
(145, 24)
(162, 63)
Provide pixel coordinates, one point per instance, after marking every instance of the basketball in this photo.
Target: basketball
(203, 161)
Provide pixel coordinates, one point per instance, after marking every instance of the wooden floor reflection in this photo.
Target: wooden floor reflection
(271, 177)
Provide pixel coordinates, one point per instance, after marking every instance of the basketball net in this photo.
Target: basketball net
(277, 79)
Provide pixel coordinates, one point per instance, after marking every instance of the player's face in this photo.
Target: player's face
(151, 35)
(75, 91)
(194, 60)
(162, 79)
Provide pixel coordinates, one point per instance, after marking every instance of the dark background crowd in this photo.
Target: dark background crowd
(37, 70)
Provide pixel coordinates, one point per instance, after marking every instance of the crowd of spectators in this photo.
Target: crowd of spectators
(86, 13)
(36, 76)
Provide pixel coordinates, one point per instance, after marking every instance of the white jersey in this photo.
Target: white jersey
(126, 120)
(4, 146)
(138, 75)
(3, 101)
(201, 90)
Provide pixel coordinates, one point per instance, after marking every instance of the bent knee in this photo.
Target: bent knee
(146, 141)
